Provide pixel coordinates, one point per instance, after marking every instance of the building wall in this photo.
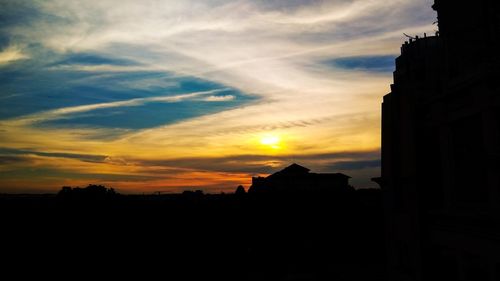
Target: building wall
(440, 150)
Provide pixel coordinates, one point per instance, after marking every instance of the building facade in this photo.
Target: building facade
(441, 149)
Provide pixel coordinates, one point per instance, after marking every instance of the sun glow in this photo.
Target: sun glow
(271, 141)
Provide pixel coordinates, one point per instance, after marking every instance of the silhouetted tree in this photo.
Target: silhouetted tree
(192, 194)
(240, 190)
(65, 190)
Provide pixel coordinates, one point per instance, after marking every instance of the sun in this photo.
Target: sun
(271, 141)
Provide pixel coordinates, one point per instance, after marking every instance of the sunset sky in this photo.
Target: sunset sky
(169, 95)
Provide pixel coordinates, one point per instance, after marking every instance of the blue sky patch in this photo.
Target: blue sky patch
(365, 63)
(29, 87)
(93, 59)
(150, 114)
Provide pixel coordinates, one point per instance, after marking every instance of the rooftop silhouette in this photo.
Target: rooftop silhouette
(298, 179)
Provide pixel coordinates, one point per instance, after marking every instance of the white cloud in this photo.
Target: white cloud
(12, 53)
(219, 98)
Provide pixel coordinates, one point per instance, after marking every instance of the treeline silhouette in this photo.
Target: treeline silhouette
(197, 236)
(92, 191)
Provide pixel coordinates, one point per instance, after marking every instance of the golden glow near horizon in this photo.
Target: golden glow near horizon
(223, 91)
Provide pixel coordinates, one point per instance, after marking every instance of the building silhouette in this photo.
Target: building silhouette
(441, 149)
(298, 179)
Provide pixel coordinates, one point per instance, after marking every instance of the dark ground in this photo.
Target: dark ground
(195, 237)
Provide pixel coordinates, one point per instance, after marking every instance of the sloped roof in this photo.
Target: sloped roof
(292, 170)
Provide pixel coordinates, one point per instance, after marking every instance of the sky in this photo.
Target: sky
(171, 95)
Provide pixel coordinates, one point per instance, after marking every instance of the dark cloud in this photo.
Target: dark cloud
(54, 174)
(15, 13)
(355, 165)
(261, 164)
(10, 159)
(10, 153)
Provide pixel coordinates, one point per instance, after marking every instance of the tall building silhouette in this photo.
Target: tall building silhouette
(441, 149)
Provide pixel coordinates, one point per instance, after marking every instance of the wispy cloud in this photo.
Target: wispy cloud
(11, 54)
(101, 68)
(6, 152)
(311, 72)
(219, 98)
(62, 112)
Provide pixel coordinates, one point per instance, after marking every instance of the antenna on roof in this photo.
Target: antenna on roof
(411, 37)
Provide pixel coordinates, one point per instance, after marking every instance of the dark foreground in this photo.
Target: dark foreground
(195, 237)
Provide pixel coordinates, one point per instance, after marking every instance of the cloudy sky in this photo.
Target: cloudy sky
(168, 95)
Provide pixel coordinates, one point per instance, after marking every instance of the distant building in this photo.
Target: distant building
(441, 149)
(296, 178)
